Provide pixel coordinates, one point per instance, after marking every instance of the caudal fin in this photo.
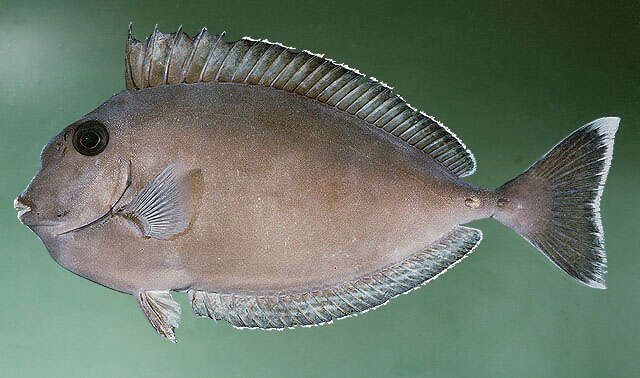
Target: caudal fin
(555, 204)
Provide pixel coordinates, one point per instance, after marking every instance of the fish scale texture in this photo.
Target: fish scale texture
(350, 298)
(175, 58)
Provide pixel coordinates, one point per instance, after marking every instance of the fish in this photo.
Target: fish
(278, 188)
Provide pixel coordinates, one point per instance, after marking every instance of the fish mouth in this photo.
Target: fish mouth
(22, 209)
(109, 213)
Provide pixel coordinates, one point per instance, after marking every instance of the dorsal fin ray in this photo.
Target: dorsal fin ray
(175, 58)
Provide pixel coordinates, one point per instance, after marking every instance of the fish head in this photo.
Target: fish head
(83, 172)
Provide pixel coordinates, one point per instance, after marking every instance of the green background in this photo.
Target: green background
(511, 79)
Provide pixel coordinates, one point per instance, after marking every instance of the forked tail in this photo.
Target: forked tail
(555, 204)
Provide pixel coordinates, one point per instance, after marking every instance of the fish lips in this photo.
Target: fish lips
(28, 217)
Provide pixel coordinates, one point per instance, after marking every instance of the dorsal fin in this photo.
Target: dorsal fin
(178, 58)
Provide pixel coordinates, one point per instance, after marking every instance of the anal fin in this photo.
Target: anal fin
(347, 299)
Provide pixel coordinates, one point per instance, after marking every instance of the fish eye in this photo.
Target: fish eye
(90, 138)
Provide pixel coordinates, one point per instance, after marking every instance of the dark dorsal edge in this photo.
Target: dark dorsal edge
(178, 58)
(322, 306)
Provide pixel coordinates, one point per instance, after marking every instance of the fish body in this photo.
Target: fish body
(281, 189)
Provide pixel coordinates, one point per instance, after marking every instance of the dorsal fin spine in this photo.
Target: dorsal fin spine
(256, 73)
(351, 82)
(291, 74)
(304, 86)
(248, 63)
(390, 103)
(145, 59)
(206, 61)
(248, 59)
(270, 74)
(424, 128)
(350, 102)
(387, 106)
(392, 122)
(286, 72)
(152, 45)
(431, 147)
(401, 127)
(374, 103)
(318, 87)
(306, 69)
(355, 87)
(186, 67)
(233, 59)
(174, 41)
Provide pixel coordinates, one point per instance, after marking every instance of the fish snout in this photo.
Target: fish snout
(30, 215)
(24, 206)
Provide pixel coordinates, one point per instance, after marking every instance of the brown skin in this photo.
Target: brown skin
(290, 194)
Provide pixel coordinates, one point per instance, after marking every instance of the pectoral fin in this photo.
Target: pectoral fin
(162, 312)
(162, 207)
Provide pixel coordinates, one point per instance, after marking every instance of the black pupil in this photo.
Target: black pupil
(89, 139)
